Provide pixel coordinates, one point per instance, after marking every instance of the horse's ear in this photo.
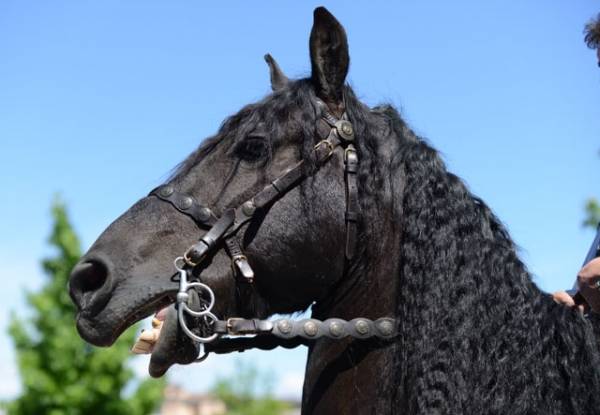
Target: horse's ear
(328, 56)
(278, 78)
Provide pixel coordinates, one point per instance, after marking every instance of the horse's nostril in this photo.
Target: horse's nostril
(90, 276)
(87, 278)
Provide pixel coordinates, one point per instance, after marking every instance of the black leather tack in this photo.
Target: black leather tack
(202, 215)
(200, 249)
(197, 252)
(223, 230)
(352, 204)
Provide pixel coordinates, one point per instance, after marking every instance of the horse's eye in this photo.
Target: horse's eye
(252, 149)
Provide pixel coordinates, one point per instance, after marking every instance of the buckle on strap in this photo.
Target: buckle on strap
(237, 326)
(350, 155)
(330, 147)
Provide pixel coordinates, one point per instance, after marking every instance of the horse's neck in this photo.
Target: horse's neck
(356, 376)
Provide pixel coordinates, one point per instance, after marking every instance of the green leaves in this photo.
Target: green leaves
(61, 374)
(592, 213)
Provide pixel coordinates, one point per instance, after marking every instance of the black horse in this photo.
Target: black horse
(475, 335)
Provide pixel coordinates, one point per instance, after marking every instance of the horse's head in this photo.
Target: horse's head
(293, 240)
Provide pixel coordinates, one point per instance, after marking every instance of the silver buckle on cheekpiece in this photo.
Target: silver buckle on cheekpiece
(182, 304)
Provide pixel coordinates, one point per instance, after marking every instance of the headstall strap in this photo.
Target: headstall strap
(225, 228)
(187, 205)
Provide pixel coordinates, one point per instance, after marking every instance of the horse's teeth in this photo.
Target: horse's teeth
(142, 347)
(147, 339)
(156, 323)
(149, 336)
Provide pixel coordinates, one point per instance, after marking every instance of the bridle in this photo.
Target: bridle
(224, 229)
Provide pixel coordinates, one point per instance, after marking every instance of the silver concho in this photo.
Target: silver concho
(186, 203)
(284, 326)
(248, 208)
(362, 327)
(386, 327)
(336, 329)
(345, 130)
(166, 191)
(310, 328)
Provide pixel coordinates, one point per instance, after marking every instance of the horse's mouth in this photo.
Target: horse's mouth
(167, 343)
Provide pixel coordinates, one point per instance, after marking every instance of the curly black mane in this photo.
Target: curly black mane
(477, 335)
(592, 33)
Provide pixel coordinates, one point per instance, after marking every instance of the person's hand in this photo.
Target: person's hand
(590, 274)
(587, 281)
(562, 297)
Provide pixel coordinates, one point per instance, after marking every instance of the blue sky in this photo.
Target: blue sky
(99, 100)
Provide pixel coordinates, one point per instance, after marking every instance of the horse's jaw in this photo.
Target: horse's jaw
(172, 347)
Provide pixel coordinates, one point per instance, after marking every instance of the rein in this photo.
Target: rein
(284, 332)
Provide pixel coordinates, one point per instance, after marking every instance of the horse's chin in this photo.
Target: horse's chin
(172, 347)
(102, 328)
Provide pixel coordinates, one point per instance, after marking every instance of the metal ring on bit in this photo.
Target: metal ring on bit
(182, 306)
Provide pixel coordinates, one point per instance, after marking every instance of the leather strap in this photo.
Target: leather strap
(333, 328)
(279, 186)
(351, 217)
(241, 326)
(238, 259)
(322, 151)
(186, 204)
(196, 253)
(339, 132)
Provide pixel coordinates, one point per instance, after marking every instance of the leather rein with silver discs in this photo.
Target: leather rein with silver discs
(224, 229)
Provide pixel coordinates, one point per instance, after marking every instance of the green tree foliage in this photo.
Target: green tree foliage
(592, 213)
(248, 392)
(592, 207)
(60, 373)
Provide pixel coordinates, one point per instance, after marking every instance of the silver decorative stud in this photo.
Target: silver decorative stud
(284, 326)
(310, 328)
(204, 213)
(345, 130)
(186, 203)
(248, 208)
(386, 327)
(166, 191)
(362, 327)
(335, 329)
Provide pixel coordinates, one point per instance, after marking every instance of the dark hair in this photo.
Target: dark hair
(592, 33)
(477, 335)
